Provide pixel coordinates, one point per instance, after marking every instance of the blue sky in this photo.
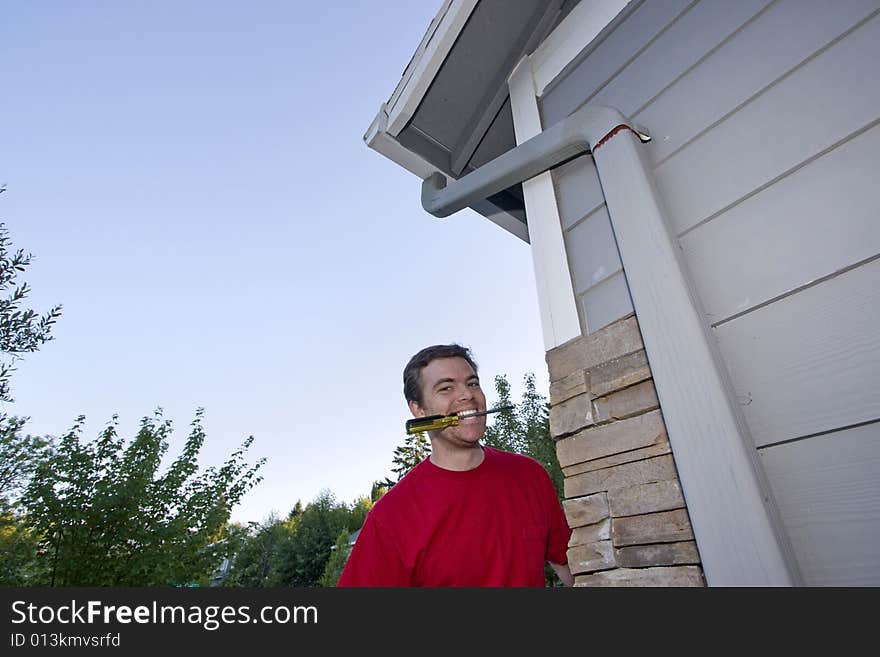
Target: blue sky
(192, 180)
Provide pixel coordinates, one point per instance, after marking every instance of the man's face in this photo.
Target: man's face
(450, 385)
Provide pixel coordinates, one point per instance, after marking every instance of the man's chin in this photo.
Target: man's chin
(471, 439)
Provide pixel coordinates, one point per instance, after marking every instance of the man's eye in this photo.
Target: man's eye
(445, 388)
(474, 384)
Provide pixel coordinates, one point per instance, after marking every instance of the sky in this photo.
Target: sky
(192, 180)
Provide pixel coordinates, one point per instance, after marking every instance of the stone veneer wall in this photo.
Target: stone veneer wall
(623, 497)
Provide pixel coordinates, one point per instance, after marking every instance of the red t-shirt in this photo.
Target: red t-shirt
(495, 525)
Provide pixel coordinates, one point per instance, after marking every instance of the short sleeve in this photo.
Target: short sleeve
(560, 532)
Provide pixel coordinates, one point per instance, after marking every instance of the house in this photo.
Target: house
(697, 183)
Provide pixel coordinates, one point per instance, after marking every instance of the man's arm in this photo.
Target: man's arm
(563, 572)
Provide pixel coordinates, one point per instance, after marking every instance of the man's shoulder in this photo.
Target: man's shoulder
(513, 459)
(400, 494)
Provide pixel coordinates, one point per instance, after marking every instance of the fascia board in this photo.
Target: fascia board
(379, 140)
(429, 57)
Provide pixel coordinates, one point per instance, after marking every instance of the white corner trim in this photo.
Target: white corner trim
(426, 62)
(571, 36)
(556, 301)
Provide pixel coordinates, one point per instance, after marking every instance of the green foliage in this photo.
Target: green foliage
(296, 551)
(534, 411)
(415, 449)
(22, 330)
(506, 432)
(19, 546)
(378, 489)
(19, 455)
(256, 560)
(302, 559)
(336, 562)
(107, 517)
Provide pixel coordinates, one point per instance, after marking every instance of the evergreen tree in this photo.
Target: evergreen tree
(336, 562)
(256, 561)
(302, 559)
(506, 431)
(534, 413)
(415, 449)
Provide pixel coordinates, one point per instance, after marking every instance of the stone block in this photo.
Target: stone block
(587, 351)
(618, 373)
(591, 557)
(617, 459)
(671, 576)
(659, 468)
(646, 498)
(662, 527)
(586, 510)
(601, 531)
(576, 383)
(571, 415)
(626, 403)
(622, 436)
(660, 554)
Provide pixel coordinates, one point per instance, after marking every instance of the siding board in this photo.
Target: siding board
(678, 49)
(581, 81)
(578, 189)
(824, 101)
(592, 251)
(606, 302)
(809, 362)
(777, 41)
(828, 489)
(829, 208)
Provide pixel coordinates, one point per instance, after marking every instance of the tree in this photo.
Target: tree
(303, 559)
(19, 454)
(107, 517)
(415, 449)
(379, 488)
(338, 556)
(22, 331)
(534, 412)
(19, 545)
(256, 561)
(506, 432)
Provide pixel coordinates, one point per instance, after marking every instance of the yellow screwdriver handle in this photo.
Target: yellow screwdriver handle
(431, 423)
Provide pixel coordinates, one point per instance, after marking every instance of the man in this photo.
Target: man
(468, 515)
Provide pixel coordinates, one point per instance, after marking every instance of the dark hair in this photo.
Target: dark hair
(412, 373)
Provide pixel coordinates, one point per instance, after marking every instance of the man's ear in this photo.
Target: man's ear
(416, 410)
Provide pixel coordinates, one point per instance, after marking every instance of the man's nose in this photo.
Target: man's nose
(466, 393)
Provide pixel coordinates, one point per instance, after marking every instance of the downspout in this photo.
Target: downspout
(710, 441)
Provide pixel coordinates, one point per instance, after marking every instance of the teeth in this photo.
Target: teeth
(469, 411)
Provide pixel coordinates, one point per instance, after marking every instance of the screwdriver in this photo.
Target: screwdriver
(434, 422)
